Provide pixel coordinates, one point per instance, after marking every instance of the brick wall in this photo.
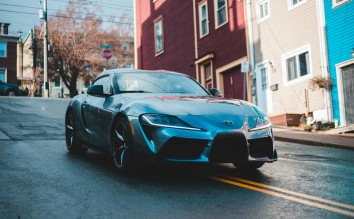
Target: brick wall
(178, 30)
(10, 62)
(228, 42)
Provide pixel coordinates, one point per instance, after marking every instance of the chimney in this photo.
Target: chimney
(4, 28)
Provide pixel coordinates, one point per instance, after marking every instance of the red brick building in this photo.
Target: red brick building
(8, 55)
(205, 39)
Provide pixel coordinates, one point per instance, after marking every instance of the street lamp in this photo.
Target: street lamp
(43, 16)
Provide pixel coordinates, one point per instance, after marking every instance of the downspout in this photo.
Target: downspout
(249, 27)
(195, 42)
(135, 36)
(324, 57)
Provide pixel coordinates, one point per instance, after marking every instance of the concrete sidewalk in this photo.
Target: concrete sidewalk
(325, 139)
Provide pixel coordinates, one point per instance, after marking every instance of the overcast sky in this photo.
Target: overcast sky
(23, 14)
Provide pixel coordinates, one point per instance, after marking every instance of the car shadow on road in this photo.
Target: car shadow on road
(162, 173)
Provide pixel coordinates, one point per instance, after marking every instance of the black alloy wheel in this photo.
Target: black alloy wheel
(249, 165)
(72, 142)
(122, 146)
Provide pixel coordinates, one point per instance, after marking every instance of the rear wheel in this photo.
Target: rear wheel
(10, 93)
(122, 145)
(72, 142)
(249, 165)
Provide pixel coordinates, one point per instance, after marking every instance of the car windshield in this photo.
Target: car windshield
(158, 82)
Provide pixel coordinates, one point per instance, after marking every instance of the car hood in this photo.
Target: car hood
(185, 105)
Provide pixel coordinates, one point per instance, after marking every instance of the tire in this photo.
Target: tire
(249, 165)
(122, 145)
(72, 142)
(11, 93)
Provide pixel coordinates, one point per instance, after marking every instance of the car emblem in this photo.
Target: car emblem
(228, 122)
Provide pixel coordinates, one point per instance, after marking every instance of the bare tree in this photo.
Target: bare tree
(76, 36)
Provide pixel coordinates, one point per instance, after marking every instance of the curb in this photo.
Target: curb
(312, 143)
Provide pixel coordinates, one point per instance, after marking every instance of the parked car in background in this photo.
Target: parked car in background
(9, 89)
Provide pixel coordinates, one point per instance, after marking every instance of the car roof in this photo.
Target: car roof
(129, 70)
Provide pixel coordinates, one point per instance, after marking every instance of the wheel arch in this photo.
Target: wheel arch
(118, 116)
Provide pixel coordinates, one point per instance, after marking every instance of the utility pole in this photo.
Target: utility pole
(45, 52)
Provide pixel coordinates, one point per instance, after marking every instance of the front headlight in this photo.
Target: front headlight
(165, 121)
(262, 121)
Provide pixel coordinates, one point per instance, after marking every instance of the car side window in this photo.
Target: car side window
(106, 82)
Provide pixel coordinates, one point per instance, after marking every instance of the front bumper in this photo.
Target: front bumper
(214, 145)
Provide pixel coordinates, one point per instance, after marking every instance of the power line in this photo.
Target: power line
(21, 12)
(100, 5)
(20, 6)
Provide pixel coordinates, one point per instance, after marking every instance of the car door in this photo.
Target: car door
(97, 115)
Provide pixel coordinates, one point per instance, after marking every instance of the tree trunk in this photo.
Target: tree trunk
(73, 90)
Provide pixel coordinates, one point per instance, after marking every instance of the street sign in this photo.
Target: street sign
(107, 54)
(106, 46)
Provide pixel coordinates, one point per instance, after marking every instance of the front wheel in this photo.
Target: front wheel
(249, 165)
(122, 145)
(72, 142)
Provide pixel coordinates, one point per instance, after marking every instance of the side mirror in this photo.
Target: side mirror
(215, 92)
(96, 90)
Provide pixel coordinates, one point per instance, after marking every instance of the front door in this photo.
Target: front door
(233, 83)
(348, 91)
(264, 97)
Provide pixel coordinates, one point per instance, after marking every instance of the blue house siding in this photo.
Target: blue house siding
(340, 41)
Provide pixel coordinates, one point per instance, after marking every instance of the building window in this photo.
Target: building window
(2, 75)
(3, 52)
(221, 12)
(297, 64)
(208, 76)
(264, 80)
(295, 3)
(262, 10)
(336, 3)
(159, 44)
(57, 82)
(203, 19)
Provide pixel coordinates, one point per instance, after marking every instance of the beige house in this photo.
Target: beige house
(288, 46)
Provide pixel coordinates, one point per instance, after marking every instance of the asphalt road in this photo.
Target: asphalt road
(40, 179)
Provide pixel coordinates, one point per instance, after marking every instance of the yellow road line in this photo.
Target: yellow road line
(306, 202)
(291, 192)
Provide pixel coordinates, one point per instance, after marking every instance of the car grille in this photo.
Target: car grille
(228, 148)
(261, 147)
(182, 148)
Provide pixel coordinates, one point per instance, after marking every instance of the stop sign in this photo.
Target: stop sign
(107, 54)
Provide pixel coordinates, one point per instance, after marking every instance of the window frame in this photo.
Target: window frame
(291, 6)
(107, 78)
(296, 53)
(335, 4)
(259, 3)
(264, 79)
(216, 10)
(202, 71)
(156, 21)
(5, 74)
(5, 50)
(200, 5)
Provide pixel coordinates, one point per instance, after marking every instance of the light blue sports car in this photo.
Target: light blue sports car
(161, 116)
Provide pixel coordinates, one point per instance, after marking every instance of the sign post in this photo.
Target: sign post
(107, 54)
